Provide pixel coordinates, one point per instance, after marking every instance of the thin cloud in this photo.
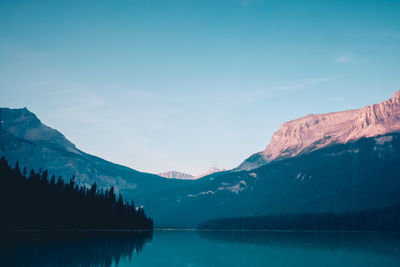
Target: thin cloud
(302, 84)
(140, 93)
(251, 96)
(342, 59)
(337, 99)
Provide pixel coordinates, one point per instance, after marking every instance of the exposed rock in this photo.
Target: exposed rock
(313, 132)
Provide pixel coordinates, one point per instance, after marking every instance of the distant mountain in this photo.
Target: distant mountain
(25, 138)
(180, 175)
(210, 171)
(175, 175)
(314, 132)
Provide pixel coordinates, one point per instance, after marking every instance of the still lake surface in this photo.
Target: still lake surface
(207, 248)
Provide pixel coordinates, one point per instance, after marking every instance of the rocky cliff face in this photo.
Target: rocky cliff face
(349, 177)
(314, 132)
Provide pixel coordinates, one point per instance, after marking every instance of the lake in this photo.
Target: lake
(204, 248)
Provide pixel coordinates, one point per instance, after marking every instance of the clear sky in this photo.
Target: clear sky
(186, 85)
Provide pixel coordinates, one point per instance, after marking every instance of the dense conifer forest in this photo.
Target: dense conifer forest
(36, 201)
(379, 219)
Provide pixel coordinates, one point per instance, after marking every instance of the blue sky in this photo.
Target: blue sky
(186, 85)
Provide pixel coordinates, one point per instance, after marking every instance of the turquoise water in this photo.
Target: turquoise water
(267, 249)
(193, 248)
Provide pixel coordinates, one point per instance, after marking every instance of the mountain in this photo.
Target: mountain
(349, 177)
(25, 138)
(336, 162)
(209, 172)
(180, 175)
(314, 132)
(175, 175)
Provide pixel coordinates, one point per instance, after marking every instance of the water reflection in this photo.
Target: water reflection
(71, 248)
(204, 248)
(368, 242)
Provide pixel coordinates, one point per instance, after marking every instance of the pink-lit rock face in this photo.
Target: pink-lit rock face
(317, 131)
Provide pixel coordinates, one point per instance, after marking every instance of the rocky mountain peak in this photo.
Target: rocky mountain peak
(396, 94)
(25, 125)
(19, 115)
(317, 131)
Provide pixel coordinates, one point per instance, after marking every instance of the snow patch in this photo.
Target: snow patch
(301, 176)
(237, 188)
(207, 192)
(383, 139)
(253, 175)
(354, 150)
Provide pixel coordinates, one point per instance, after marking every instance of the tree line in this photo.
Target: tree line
(37, 201)
(377, 219)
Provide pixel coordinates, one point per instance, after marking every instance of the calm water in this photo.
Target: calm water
(192, 248)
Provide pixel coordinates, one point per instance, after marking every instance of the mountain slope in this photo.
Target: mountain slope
(314, 132)
(357, 167)
(358, 175)
(24, 138)
(210, 171)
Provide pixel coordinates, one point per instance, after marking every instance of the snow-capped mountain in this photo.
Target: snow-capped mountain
(317, 131)
(175, 175)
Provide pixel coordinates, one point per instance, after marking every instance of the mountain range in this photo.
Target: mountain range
(175, 175)
(180, 175)
(342, 161)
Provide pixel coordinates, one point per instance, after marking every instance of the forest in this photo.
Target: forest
(378, 219)
(35, 201)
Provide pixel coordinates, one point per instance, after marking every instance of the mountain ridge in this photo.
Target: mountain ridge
(175, 175)
(316, 131)
(361, 173)
(349, 177)
(24, 138)
(180, 175)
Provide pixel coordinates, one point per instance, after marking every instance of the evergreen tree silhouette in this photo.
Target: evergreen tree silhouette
(35, 202)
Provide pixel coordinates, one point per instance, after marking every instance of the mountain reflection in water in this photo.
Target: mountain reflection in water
(71, 248)
(204, 248)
